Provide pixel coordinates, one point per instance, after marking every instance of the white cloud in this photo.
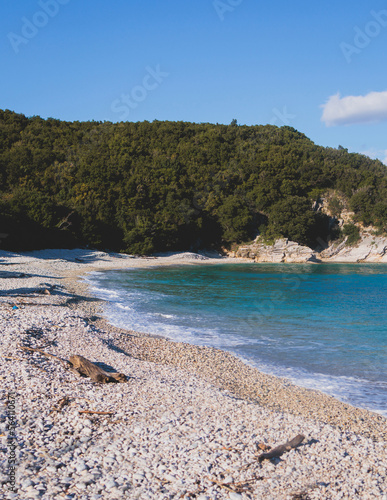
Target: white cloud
(349, 110)
(376, 154)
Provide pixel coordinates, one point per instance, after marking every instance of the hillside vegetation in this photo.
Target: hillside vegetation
(146, 187)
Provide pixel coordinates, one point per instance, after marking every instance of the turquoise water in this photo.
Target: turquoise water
(322, 326)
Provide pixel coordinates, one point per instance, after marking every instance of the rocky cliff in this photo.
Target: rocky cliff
(370, 248)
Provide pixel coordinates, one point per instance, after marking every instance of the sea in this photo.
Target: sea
(322, 326)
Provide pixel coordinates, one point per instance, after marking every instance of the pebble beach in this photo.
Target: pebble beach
(189, 423)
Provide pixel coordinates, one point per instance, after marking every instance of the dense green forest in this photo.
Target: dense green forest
(145, 187)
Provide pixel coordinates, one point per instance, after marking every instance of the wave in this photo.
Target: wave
(355, 391)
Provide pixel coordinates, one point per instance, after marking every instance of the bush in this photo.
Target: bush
(292, 217)
(352, 232)
(335, 206)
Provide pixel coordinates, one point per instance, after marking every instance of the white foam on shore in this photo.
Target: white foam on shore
(351, 390)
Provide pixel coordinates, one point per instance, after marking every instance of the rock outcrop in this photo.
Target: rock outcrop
(370, 248)
(283, 250)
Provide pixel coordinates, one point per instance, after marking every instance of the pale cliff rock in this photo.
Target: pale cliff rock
(283, 250)
(369, 249)
(298, 253)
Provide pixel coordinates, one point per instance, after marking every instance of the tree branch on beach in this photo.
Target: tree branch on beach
(91, 412)
(281, 449)
(66, 363)
(277, 451)
(83, 367)
(86, 368)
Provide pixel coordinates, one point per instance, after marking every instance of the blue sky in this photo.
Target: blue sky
(202, 61)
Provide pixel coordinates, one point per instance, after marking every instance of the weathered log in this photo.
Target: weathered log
(85, 367)
(82, 366)
(281, 449)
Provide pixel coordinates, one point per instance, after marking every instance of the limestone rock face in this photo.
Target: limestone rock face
(369, 249)
(283, 250)
(298, 253)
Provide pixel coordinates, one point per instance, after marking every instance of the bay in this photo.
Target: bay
(322, 326)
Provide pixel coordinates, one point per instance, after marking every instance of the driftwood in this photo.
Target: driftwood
(60, 404)
(281, 449)
(86, 368)
(82, 366)
(242, 486)
(11, 357)
(66, 363)
(91, 412)
(226, 486)
(262, 447)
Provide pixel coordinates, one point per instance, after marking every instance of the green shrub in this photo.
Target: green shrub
(352, 232)
(335, 206)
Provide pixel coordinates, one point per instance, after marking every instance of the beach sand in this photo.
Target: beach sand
(188, 423)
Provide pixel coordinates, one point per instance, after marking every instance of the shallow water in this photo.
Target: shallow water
(322, 326)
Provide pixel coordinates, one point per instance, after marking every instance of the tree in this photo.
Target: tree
(293, 218)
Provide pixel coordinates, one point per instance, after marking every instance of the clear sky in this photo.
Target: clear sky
(319, 67)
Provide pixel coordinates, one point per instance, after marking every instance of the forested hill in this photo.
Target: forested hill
(146, 187)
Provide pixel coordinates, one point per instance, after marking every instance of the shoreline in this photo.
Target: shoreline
(170, 358)
(70, 320)
(90, 305)
(246, 382)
